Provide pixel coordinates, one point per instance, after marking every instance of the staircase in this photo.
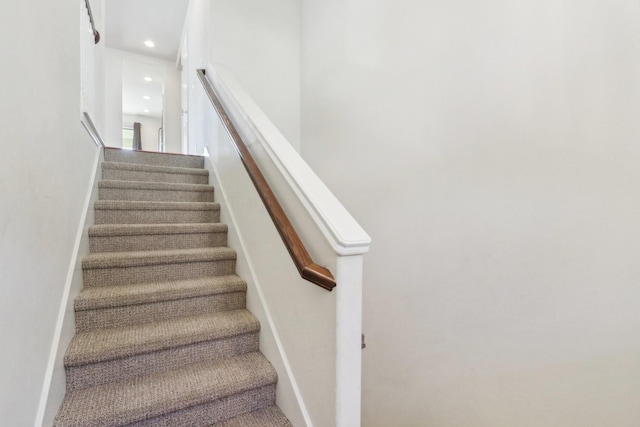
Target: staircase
(163, 337)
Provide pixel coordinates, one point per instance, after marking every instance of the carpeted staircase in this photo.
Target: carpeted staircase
(163, 337)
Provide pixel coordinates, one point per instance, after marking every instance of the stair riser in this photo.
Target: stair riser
(156, 242)
(133, 216)
(145, 313)
(157, 159)
(127, 367)
(151, 273)
(217, 411)
(270, 416)
(155, 195)
(174, 178)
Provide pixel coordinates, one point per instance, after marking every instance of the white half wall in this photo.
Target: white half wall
(45, 166)
(310, 335)
(491, 151)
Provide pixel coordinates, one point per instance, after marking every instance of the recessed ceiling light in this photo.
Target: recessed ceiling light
(146, 111)
(149, 43)
(148, 79)
(146, 97)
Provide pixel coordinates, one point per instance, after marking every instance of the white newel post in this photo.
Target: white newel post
(348, 340)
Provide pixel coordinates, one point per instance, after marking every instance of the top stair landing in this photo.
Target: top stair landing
(151, 158)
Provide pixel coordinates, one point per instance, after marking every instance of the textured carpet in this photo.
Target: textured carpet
(163, 337)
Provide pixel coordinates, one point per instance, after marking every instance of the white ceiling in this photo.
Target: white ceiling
(128, 24)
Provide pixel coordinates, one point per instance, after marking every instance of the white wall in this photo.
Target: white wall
(44, 169)
(98, 117)
(259, 43)
(192, 57)
(172, 110)
(491, 150)
(113, 97)
(148, 131)
(55, 386)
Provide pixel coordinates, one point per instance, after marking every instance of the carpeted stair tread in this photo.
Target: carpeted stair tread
(153, 158)
(168, 236)
(104, 344)
(146, 293)
(151, 173)
(161, 186)
(152, 205)
(139, 167)
(142, 258)
(109, 230)
(155, 212)
(144, 397)
(154, 191)
(270, 416)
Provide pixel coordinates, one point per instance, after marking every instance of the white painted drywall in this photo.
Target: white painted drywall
(172, 109)
(98, 10)
(55, 385)
(259, 43)
(44, 169)
(491, 151)
(194, 43)
(113, 97)
(148, 131)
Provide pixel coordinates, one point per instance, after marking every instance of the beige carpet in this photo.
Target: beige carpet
(163, 337)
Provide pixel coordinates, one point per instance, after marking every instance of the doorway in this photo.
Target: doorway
(143, 102)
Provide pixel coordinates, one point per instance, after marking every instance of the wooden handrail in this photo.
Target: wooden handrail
(306, 267)
(96, 34)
